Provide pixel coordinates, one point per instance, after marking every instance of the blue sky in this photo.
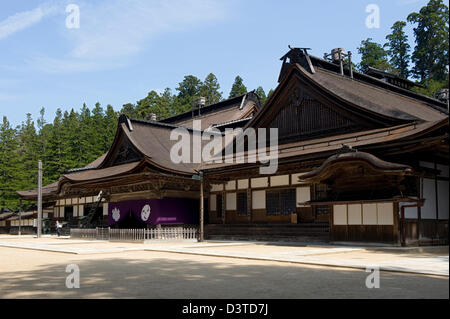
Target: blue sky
(125, 48)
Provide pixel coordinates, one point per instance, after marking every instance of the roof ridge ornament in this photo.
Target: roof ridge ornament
(346, 149)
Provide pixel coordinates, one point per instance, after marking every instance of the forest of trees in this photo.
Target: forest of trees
(427, 62)
(75, 138)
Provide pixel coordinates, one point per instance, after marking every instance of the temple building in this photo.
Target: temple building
(360, 157)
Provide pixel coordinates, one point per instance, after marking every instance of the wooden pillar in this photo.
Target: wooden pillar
(224, 205)
(202, 209)
(39, 216)
(20, 217)
(249, 204)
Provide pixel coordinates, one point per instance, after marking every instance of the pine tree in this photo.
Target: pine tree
(238, 87)
(8, 167)
(27, 155)
(148, 105)
(430, 56)
(210, 89)
(373, 55)
(188, 91)
(261, 94)
(398, 49)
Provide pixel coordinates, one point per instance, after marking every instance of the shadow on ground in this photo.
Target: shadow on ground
(198, 277)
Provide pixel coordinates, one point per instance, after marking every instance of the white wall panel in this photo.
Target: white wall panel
(105, 209)
(410, 212)
(369, 214)
(80, 210)
(354, 214)
(216, 187)
(259, 199)
(260, 182)
(281, 180)
(340, 214)
(231, 201)
(243, 184)
(230, 186)
(385, 213)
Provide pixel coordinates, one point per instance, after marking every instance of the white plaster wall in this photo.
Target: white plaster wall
(243, 184)
(230, 186)
(231, 201)
(340, 214)
(259, 199)
(354, 214)
(216, 187)
(281, 180)
(410, 212)
(260, 182)
(385, 213)
(369, 214)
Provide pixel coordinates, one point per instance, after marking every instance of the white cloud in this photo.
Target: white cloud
(112, 32)
(25, 19)
(119, 28)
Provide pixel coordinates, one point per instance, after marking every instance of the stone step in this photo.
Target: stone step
(311, 239)
(267, 232)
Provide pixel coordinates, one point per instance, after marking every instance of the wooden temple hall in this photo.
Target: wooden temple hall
(361, 158)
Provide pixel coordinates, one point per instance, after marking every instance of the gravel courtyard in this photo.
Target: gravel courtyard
(136, 273)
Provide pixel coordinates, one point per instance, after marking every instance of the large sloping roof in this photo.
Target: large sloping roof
(323, 147)
(238, 108)
(372, 98)
(47, 190)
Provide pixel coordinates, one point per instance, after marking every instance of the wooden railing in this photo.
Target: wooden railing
(161, 233)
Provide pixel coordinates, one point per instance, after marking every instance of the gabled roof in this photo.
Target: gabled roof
(234, 109)
(297, 55)
(372, 98)
(327, 146)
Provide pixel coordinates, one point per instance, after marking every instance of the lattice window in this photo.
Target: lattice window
(280, 202)
(219, 205)
(241, 206)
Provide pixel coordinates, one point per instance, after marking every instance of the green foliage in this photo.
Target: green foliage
(73, 140)
(373, 55)
(430, 56)
(8, 165)
(261, 94)
(431, 87)
(210, 89)
(398, 49)
(238, 87)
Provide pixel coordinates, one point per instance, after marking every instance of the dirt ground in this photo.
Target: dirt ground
(150, 274)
